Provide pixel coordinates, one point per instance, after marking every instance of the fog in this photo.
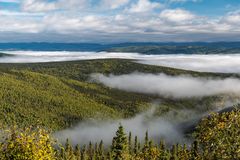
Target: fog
(226, 63)
(183, 86)
(221, 63)
(171, 126)
(165, 127)
(57, 56)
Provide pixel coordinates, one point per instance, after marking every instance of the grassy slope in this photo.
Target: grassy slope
(60, 95)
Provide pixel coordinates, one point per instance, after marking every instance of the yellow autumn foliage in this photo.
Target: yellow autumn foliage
(26, 144)
(219, 135)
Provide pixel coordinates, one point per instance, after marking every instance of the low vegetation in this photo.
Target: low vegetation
(219, 135)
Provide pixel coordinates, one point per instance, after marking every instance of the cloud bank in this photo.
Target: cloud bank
(114, 21)
(227, 63)
(42, 56)
(170, 86)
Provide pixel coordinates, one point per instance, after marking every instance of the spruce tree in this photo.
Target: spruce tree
(77, 152)
(109, 156)
(146, 144)
(101, 148)
(84, 153)
(90, 150)
(184, 154)
(67, 146)
(69, 154)
(130, 142)
(146, 138)
(162, 148)
(145, 149)
(120, 145)
(136, 145)
(174, 153)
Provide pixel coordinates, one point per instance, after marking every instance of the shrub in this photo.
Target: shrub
(219, 135)
(27, 144)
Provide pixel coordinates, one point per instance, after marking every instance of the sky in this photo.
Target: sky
(112, 21)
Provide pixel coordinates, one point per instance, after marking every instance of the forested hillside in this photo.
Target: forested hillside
(59, 95)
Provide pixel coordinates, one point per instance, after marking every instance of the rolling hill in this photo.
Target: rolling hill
(59, 95)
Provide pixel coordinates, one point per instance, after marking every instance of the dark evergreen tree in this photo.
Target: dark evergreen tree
(136, 145)
(90, 150)
(101, 148)
(77, 152)
(146, 144)
(174, 152)
(69, 152)
(84, 153)
(109, 156)
(146, 139)
(120, 145)
(130, 142)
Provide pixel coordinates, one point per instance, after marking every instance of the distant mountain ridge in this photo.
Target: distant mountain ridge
(144, 47)
(156, 49)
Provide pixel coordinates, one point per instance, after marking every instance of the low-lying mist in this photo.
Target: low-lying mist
(183, 86)
(171, 126)
(165, 127)
(58, 56)
(221, 63)
(226, 63)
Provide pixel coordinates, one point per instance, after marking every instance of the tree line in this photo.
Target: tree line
(216, 138)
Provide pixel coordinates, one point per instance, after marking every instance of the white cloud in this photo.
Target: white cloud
(232, 18)
(227, 63)
(38, 6)
(19, 25)
(73, 4)
(144, 6)
(177, 15)
(67, 24)
(170, 86)
(144, 19)
(114, 4)
(44, 6)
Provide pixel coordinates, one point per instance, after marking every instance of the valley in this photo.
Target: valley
(61, 94)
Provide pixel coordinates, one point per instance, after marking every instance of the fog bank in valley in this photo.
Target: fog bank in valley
(221, 63)
(166, 127)
(226, 63)
(183, 86)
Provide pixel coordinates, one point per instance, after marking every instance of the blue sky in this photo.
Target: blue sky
(111, 21)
